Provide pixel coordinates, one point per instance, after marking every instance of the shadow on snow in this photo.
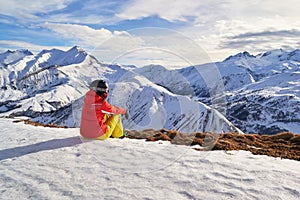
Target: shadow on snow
(41, 146)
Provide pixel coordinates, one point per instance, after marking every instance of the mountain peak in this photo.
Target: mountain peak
(281, 55)
(10, 56)
(25, 52)
(244, 54)
(276, 52)
(294, 55)
(21, 51)
(76, 49)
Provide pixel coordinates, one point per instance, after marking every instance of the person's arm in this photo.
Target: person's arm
(110, 109)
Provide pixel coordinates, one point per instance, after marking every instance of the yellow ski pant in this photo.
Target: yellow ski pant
(114, 127)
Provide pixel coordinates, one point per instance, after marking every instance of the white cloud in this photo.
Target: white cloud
(207, 10)
(85, 12)
(262, 35)
(152, 46)
(72, 18)
(103, 43)
(166, 9)
(265, 25)
(84, 34)
(139, 46)
(262, 8)
(28, 9)
(230, 37)
(92, 38)
(14, 44)
(213, 23)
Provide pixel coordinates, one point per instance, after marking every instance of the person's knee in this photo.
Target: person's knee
(113, 120)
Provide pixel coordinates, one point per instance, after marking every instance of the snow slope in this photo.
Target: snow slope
(258, 94)
(50, 163)
(271, 103)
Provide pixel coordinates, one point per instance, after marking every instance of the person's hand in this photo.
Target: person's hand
(126, 115)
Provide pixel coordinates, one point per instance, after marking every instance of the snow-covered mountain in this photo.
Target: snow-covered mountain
(258, 94)
(49, 88)
(271, 103)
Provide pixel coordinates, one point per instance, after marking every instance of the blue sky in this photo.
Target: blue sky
(218, 27)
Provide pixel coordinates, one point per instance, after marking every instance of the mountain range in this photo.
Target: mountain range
(243, 93)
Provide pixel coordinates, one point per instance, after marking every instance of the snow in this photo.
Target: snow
(52, 163)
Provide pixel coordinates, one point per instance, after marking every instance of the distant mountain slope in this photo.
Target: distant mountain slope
(49, 88)
(261, 92)
(269, 105)
(9, 57)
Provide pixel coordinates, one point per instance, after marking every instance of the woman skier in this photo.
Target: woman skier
(99, 119)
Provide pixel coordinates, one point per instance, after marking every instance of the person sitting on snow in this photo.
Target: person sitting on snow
(99, 119)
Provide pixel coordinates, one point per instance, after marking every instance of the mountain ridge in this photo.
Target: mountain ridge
(49, 87)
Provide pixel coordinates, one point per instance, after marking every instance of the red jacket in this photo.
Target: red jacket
(92, 123)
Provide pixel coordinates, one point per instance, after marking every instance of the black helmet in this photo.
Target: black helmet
(99, 86)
